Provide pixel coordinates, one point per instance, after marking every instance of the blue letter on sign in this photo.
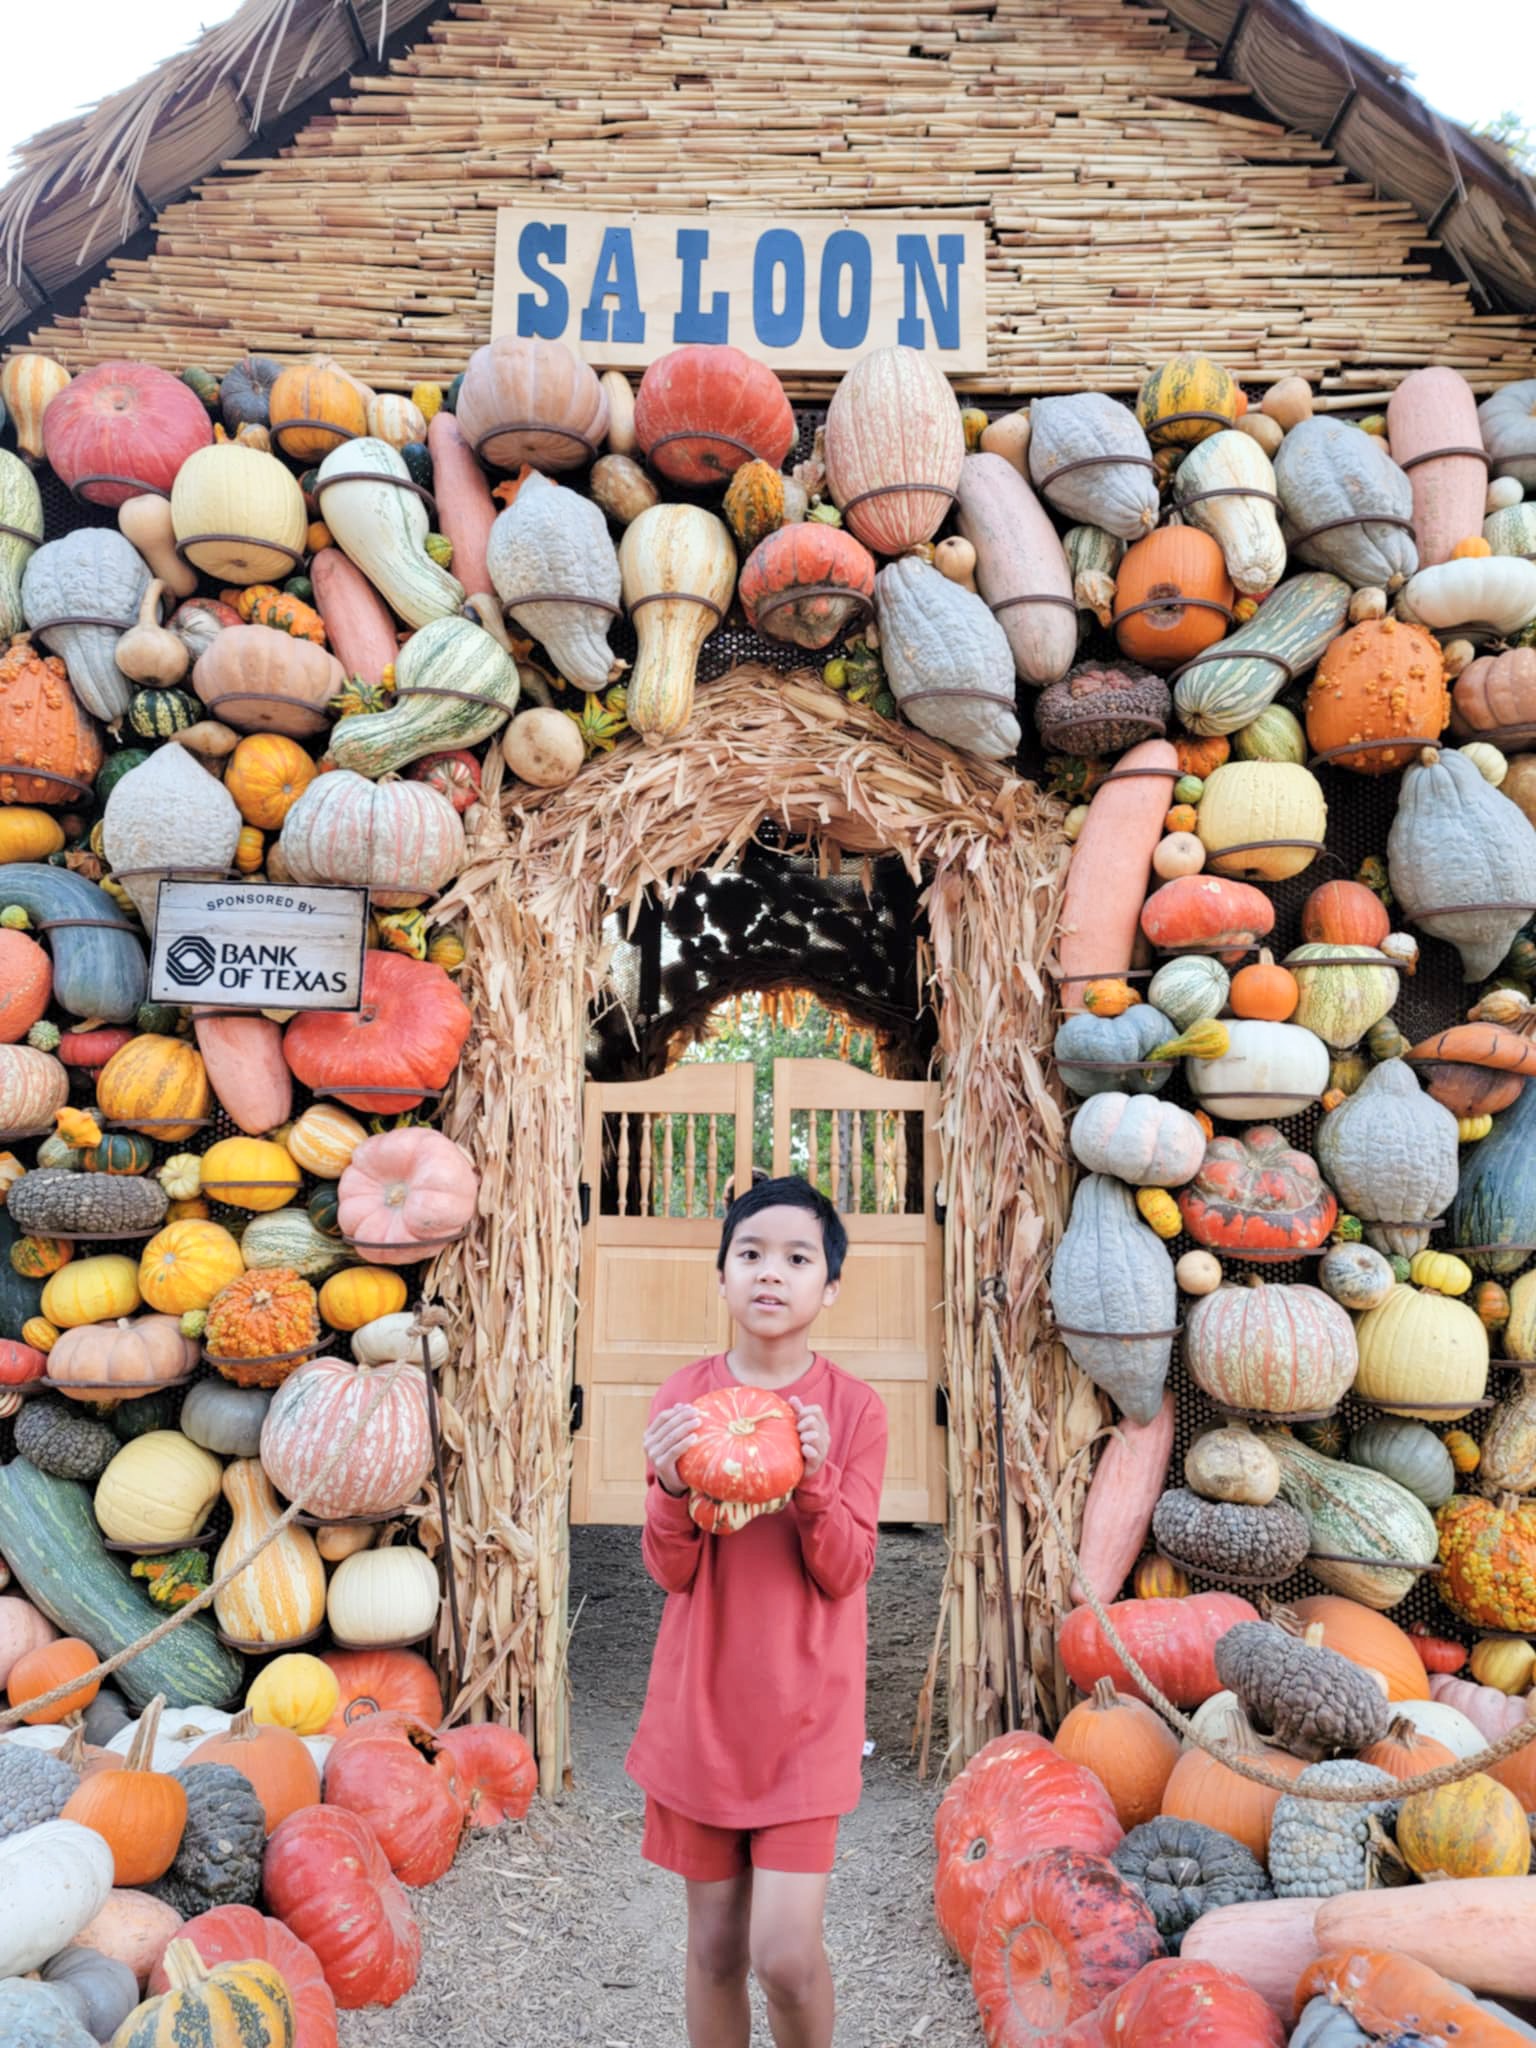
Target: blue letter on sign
(692, 323)
(916, 261)
(614, 278)
(779, 247)
(546, 316)
(845, 248)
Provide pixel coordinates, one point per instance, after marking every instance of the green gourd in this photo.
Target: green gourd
(1275, 735)
(1355, 1513)
(1190, 989)
(448, 654)
(219, 1861)
(159, 714)
(99, 969)
(1496, 1199)
(1232, 682)
(20, 1297)
(290, 1237)
(1408, 1452)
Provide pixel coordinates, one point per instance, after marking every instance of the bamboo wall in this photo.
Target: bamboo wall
(1132, 211)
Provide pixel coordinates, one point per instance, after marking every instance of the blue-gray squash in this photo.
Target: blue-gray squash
(1327, 471)
(92, 573)
(99, 969)
(1389, 1153)
(1408, 1452)
(1102, 1042)
(1111, 1280)
(1496, 1201)
(1456, 841)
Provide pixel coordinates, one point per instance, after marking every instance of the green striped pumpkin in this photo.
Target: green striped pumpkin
(1232, 683)
(1355, 1513)
(290, 1237)
(445, 654)
(157, 714)
(120, 1151)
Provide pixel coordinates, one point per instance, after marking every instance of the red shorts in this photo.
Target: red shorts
(709, 1855)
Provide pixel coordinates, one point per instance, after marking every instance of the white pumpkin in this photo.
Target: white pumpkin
(1486, 595)
(1137, 1138)
(403, 841)
(1268, 1071)
(169, 817)
(1461, 1736)
(181, 1730)
(383, 1596)
(54, 1880)
(390, 1337)
(33, 1085)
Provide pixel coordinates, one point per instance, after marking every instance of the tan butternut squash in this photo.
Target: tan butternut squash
(678, 566)
(145, 523)
(1111, 871)
(466, 511)
(243, 1054)
(1018, 557)
(1431, 411)
(1481, 1931)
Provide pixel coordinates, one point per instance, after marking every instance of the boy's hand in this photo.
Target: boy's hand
(815, 1436)
(673, 1430)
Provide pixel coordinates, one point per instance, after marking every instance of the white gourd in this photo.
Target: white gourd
(383, 530)
(21, 509)
(1245, 528)
(91, 573)
(402, 841)
(1326, 470)
(1508, 420)
(1487, 596)
(382, 1596)
(1138, 1139)
(168, 815)
(390, 1337)
(54, 1880)
(180, 1731)
(947, 660)
(1284, 1067)
(553, 539)
(1117, 487)
(1458, 840)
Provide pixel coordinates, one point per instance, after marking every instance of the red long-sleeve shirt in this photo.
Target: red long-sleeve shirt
(754, 1713)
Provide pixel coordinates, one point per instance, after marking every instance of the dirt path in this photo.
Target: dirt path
(555, 1932)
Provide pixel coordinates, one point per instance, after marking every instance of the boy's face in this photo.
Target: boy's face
(775, 1276)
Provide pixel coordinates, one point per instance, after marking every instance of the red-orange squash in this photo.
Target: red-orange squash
(327, 1879)
(1344, 914)
(46, 729)
(382, 1770)
(1381, 680)
(382, 1682)
(1062, 1932)
(1206, 914)
(385, 1057)
(805, 583)
(122, 429)
(1174, 1641)
(26, 980)
(704, 409)
(1176, 2003)
(1255, 1193)
(1173, 597)
(493, 1770)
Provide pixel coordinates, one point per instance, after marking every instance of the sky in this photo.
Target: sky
(70, 53)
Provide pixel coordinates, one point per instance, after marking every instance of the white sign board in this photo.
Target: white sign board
(259, 946)
(800, 292)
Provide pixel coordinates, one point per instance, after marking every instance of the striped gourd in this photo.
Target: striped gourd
(383, 529)
(21, 513)
(1233, 682)
(281, 1596)
(1225, 487)
(448, 654)
(288, 1237)
(1512, 531)
(1355, 1516)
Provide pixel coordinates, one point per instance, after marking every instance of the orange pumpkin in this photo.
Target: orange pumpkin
(1128, 1748)
(1173, 597)
(139, 1812)
(1344, 914)
(313, 408)
(1380, 680)
(1203, 756)
(1264, 991)
(1405, 1750)
(266, 776)
(275, 1761)
(1199, 1788)
(1369, 1639)
(46, 729)
(40, 1670)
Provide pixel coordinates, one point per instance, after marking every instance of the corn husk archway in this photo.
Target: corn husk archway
(541, 879)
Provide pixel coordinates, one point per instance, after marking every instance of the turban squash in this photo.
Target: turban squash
(1255, 1193)
(805, 583)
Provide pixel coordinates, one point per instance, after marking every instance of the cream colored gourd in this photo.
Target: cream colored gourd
(167, 815)
(450, 654)
(1486, 596)
(1327, 471)
(402, 841)
(1337, 1001)
(383, 529)
(160, 1488)
(54, 1880)
(1119, 493)
(1511, 529)
(1093, 557)
(1244, 527)
(396, 419)
(390, 1337)
(145, 522)
(1423, 1356)
(1246, 801)
(280, 1598)
(1018, 556)
(91, 573)
(552, 542)
(1139, 1139)
(1268, 1071)
(543, 747)
(678, 567)
(147, 652)
(239, 514)
(1232, 1464)
(382, 1596)
(947, 660)
(21, 513)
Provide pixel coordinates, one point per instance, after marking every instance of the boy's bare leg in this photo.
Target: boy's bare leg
(719, 1918)
(789, 1958)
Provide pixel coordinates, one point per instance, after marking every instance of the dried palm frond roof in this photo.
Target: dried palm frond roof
(87, 186)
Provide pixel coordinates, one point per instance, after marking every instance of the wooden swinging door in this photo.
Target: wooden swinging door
(660, 1160)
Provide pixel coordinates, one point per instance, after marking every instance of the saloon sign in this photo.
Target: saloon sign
(259, 946)
(806, 293)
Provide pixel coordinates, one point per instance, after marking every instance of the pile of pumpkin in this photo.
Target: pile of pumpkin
(137, 1853)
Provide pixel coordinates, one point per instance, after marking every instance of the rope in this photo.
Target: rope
(426, 1319)
(992, 1297)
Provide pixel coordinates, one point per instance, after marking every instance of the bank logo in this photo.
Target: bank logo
(191, 960)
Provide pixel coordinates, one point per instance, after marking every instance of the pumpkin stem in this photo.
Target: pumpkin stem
(72, 1752)
(1104, 1695)
(243, 1727)
(183, 1965)
(141, 1752)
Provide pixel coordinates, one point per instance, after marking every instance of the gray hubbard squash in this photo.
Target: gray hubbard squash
(49, 1538)
(51, 1202)
(1507, 418)
(1118, 495)
(1317, 1851)
(1496, 1197)
(1389, 1153)
(1354, 1513)
(448, 654)
(1408, 1452)
(1233, 1542)
(1232, 682)
(99, 969)
(36, 2015)
(1102, 1041)
(1310, 1699)
(1018, 555)
(550, 539)
(219, 1860)
(1327, 470)
(225, 1419)
(169, 814)
(21, 510)
(106, 1988)
(1111, 1274)
(1456, 840)
(34, 1787)
(91, 573)
(947, 660)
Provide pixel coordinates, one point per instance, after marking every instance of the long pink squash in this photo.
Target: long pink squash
(466, 511)
(358, 623)
(243, 1053)
(1111, 868)
(1129, 1477)
(1478, 1931)
(1269, 1942)
(1018, 555)
(1433, 409)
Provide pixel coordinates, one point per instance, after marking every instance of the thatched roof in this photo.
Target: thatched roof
(90, 185)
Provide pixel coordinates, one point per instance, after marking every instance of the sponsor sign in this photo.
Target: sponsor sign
(259, 946)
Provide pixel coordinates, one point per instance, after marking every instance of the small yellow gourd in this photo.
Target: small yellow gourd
(1507, 1663)
(1470, 1128)
(1158, 1208)
(1441, 1273)
(1466, 1454)
(1207, 1040)
(360, 1294)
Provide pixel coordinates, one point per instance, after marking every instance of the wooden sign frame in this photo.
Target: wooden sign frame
(259, 946)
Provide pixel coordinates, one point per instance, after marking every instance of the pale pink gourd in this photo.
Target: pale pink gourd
(22, 1630)
(400, 840)
(404, 1194)
(1111, 870)
(132, 1928)
(1018, 554)
(466, 511)
(317, 1408)
(243, 1053)
(1491, 1712)
(1434, 409)
(358, 623)
(894, 420)
(1129, 1477)
(1267, 1942)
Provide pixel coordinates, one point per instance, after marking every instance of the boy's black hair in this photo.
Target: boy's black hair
(790, 1192)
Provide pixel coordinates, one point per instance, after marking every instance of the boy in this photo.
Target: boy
(750, 1741)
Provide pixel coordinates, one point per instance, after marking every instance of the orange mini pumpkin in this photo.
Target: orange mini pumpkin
(1173, 597)
(313, 408)
(1202, 756)
(1344, 914)
(1264, 991)
(1380, 680)
(1109, 998)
